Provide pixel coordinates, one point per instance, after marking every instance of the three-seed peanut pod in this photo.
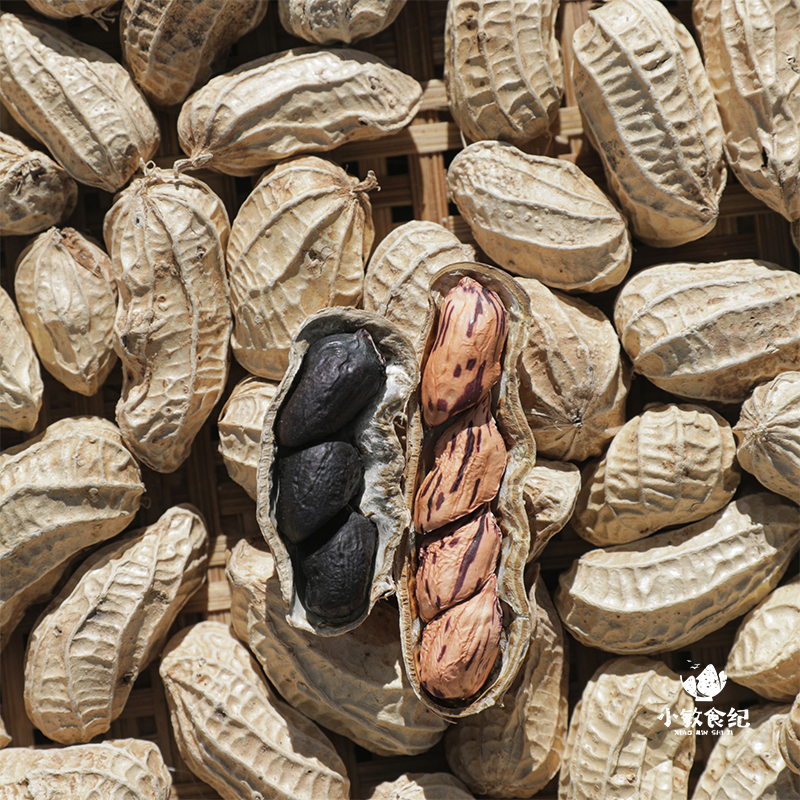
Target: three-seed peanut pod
(329, 22)
(334, 369)
(465, 659)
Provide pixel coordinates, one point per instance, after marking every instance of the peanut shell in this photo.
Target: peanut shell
(649, 111)
(353, 684)
(751, 52)
(673, 588)
(768, 435)
(765, 655)
(400, 270)
(5, 739)
(77, 100)
(515, 749)
(671, 465)
(502, 68)
(331, 21)
(231, 729)
(21, 386)
(301, 100)
(166, 235)
(68, 300)
(551, 491)
(98, 10)
(108, 622)
(540, 217)
(617, 747)
(421, 786)
(35, 192)
(298, 244)
(169, 46)
(790, 737)
(573, 380)
(711, 331)
(72, 486)
(374, 434)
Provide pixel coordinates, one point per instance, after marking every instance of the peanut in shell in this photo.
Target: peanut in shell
(331, 21)
(421, 786)
(551, 491)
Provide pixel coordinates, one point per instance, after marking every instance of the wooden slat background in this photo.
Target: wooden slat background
(411, 169)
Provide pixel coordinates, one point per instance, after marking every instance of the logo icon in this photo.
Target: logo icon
(706, 685)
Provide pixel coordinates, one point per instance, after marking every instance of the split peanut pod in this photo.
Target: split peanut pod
(331, 21)
(437, 467)
(314, 395)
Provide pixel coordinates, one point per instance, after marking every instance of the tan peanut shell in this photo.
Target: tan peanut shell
(671, 465)
(68, 300)
(400, 270)
(751, 53)
(790, 737)
(132, 769)
(231, 729)
(98, 10)
(331, 21)
(35, 192)
(502, 68)
(551, 491)
(514, 750)
(649, 111)
(421, 786)
(508, 507)
(375, 436)
(353, 684)
(765, 655)
(796, 233)
(304, 100)
(240, 423)
(768, 434)
(166, 235)
(71, 487)
(21, 386)
(298, 244)
(711, 331)
(5, 739)
(573, 381)
(540, 217)
(617, 747)
(749, 764)
(673, 588)
(169, 46)
(108, 622)
(77, 100)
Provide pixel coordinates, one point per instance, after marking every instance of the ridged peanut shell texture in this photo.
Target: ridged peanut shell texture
(617, 747)
(169, 46)
(514, 750)
(77, 100)
(711, 331)
(166, 235)
(231, 729)
(68, 301)
(21, 386)
(790, 737)
(107, 624)
(671, 465)
(508, 507)
(421, 786)
(400, 271)
(298, 244)
(766, 652)
(768, 434)
(623, 599)
(98, 10)
(540, 217)
(749, 764)
(551, 491)
(573, 380)
(649, 111)
(353, 684)
(301, 100)
(375, 437)
(69, 488)
(117, 769)
(331, 21)
(502, 68)
(751, 51)
(35, 192)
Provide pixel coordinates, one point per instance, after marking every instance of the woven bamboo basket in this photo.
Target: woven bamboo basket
(411, 169)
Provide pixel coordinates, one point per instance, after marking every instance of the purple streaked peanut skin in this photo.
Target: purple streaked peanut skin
(456, 561)
(460, 646)
(464, 362)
